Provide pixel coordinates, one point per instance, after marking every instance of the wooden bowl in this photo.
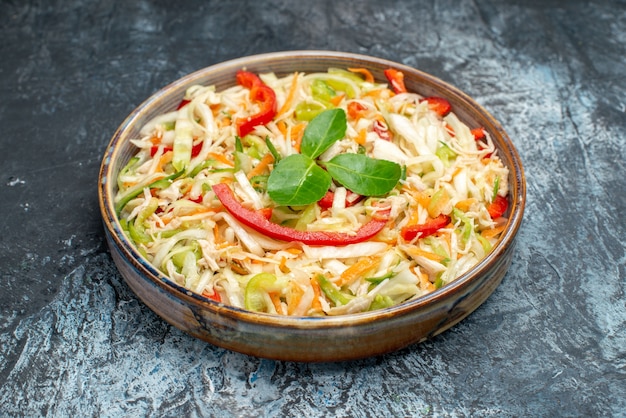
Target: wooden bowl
(309, 338)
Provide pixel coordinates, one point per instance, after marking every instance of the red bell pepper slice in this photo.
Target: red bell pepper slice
(327, 201)
(396, 79)
(183, 103)
(256, 221)
(260, 93)
(481, 139)
(382, 130)
(439, 105)
(479, 133)
(431, 226)
(195, 150)
(497, 208)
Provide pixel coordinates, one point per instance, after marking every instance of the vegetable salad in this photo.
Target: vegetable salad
(312, 194)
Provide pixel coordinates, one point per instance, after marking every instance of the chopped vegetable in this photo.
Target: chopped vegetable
(396, 79)
(425, 229)
(260, 93)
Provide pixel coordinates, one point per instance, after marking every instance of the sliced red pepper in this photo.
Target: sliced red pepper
(479, 133)
(439, 105)
(481, 138)
(215, 296)
(195, 150)
(258, 222)
(396, 79)
(497, 208)
(266, 213)
(327, 201)
(183, 103)
(431, 226)
(260, 93)
(356, 110)
(382, 130)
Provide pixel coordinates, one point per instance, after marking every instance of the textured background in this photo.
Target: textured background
(74, 341)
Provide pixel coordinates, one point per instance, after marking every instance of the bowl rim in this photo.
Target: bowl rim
(113, 227)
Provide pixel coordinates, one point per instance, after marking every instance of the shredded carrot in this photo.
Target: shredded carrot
(165, 158)
(289, 100)
(282, 127)
(224, 122)
(221, 158)
(216, 234)
(450, 129)
(262, 165)
(422, 198)
(283, 265)
(335, 100)
(490, 233)
(377, 94)
(275, 296)
(465, 204)
(417, 252)
(294, 297)
(414, 219)
(364, 72)
(425, 284)
(316, 305)
(295, 251)
(361, 137)
(129, 184)
(296, 135)
(357, 270)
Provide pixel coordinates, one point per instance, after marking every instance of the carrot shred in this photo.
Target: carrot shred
(275, 297)
(289, 100)
(165, 158)
(295, 251)
(361, 137)
(294, 297)
(367, 75)
(357, 270)
(335, 100)
(425, 284)
(283, 265)
(282, 127)
(296, 135)
(316, 305)
(490, 233)
(221, 158)
(417, 252)
(465, 204)
(262, 165)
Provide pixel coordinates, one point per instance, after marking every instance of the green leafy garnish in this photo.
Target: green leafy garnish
(364, 175)
(299, 179)
(323, 131)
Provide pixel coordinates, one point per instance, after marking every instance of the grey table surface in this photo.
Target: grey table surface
(550, 341)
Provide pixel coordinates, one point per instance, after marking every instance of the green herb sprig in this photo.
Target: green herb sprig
(300, 179)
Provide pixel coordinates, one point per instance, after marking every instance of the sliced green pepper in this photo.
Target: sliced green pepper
(338, 297)
(137, 229)
(158, 184)
(256, 289)
(322, 92)
(381, 302)
(306, 111)
(445, 154)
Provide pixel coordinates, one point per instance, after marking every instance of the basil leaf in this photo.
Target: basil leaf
(322, 131)
(364, 175)
(297, 180)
